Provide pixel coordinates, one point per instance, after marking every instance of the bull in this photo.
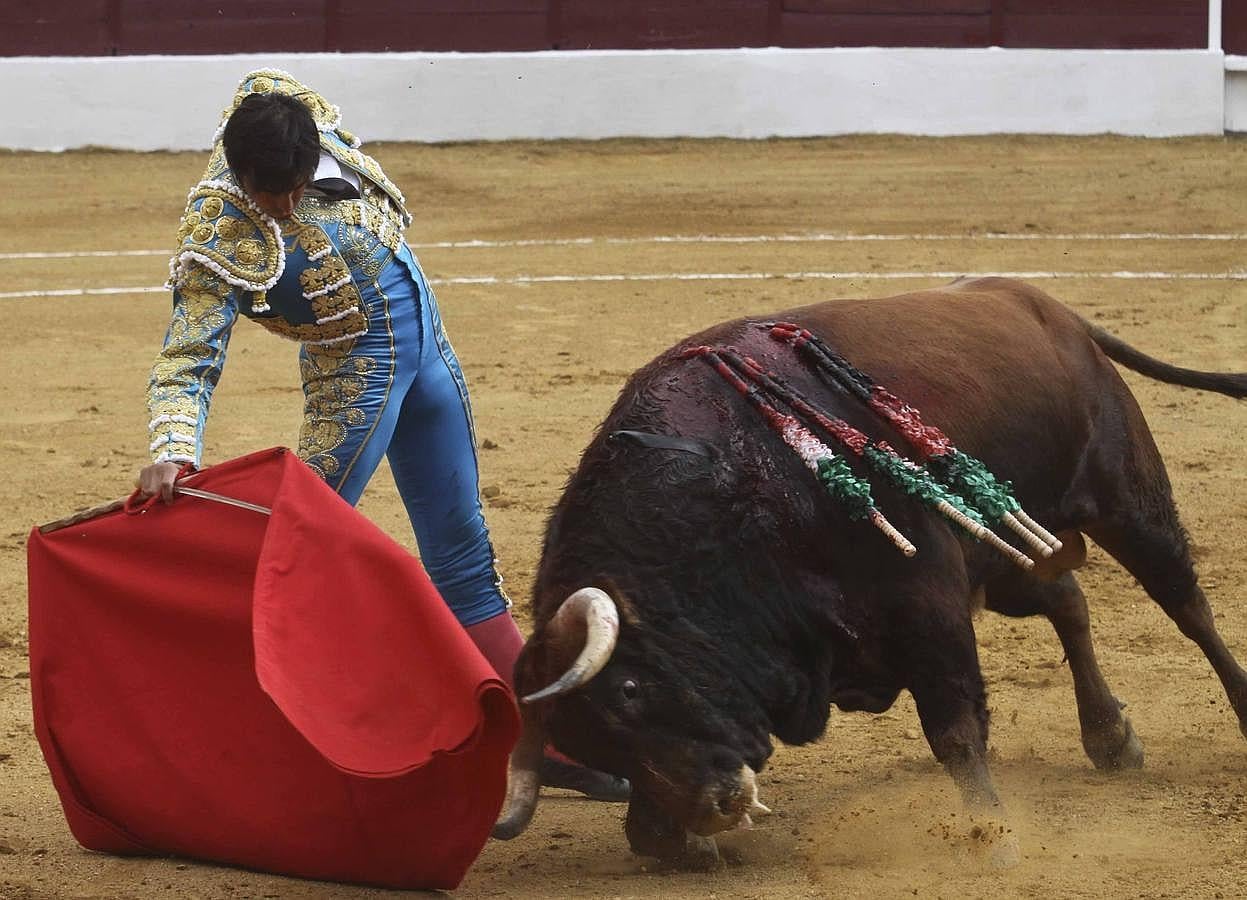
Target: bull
(698, 593)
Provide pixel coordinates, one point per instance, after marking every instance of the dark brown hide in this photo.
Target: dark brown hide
(753, 604)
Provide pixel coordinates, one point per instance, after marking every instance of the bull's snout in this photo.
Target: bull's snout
(727, 805)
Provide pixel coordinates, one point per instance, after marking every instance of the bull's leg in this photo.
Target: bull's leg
(956, 729)
(1107, 735)
(947, 686)
(1157, 555)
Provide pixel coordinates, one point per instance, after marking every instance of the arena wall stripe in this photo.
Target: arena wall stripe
(812, 238)
(493, 280)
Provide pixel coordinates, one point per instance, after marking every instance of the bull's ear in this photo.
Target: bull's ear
(583, 631)
(537, 664)
(628, 613)
(544, 658)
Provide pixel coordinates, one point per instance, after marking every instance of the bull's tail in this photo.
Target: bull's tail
(1230, 384)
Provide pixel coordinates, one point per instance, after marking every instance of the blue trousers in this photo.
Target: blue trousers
(398, 390)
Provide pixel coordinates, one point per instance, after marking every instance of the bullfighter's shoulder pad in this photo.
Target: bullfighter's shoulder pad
(224, 231)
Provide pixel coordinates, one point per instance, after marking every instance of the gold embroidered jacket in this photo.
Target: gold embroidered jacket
(232, 258)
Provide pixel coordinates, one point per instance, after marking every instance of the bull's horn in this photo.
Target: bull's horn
(595, 608)
(523, 782)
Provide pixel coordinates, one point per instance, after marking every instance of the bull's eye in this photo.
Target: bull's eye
(629, 689)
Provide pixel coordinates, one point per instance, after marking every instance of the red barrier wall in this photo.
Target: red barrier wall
(1234, 26)
(123, 27)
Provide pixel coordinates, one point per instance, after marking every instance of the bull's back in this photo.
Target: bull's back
(988, 339)
(1006, 371)
(995, 340)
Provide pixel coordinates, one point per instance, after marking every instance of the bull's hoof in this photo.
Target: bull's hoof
(701, 854)
(1114, 747)
(669, 843)
(651, 832)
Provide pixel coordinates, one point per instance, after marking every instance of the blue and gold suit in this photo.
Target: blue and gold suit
(379, 375)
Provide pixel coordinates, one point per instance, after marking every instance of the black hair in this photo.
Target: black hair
(271, 142)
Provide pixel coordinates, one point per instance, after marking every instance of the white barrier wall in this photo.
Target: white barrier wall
(1236, 94)
(173, 102)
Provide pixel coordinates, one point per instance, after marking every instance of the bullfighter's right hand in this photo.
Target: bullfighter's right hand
(158, 478)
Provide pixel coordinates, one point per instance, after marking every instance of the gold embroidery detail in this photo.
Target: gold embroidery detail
(202, 308)
(339, 313)
(174, 405)
(184, 372)
(340, 331)
(205, 281)
(216, 163)
(374, 213)
(331, 271)
(249, 251)
(332, 382)
(230, 228)
(264, 81)
(360, 248)
(315, 242)
(363, 163)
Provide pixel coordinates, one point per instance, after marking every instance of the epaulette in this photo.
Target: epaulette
(224, 231)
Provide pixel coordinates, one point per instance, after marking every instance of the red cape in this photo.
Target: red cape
(285, 692)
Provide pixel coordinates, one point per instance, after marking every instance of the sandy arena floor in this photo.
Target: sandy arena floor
(867, 810)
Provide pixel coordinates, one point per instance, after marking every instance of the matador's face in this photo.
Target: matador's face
(279, 205)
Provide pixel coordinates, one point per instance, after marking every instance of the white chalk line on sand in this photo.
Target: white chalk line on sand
(706, 276)
(819, 237)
